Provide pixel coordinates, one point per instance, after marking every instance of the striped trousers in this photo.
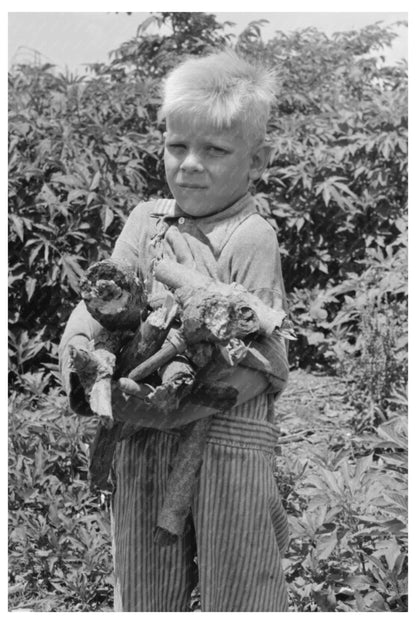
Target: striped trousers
(237, 528)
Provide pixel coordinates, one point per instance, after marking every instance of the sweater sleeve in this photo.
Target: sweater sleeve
(252, 258)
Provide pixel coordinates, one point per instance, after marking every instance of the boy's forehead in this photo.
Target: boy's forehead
(194, 125)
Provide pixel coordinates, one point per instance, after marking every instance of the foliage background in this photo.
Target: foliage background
(83, 151)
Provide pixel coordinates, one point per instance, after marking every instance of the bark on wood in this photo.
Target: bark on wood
(114, 295)
(211, 316)
(177, 381)
(181, 482)
(176, 276)
(95, 369)
(101, 455)
(148, 339)
(173, 345)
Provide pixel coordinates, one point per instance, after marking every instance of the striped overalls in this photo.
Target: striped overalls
(237, 529)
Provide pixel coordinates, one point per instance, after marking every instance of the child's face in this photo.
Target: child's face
(207, 169)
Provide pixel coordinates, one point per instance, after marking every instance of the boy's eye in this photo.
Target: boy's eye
(216, 151)
(176, 146)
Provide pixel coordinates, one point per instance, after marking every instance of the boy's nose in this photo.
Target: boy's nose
(191, 162)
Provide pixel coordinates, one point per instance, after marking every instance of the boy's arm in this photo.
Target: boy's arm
(132, 411)
(252, 259)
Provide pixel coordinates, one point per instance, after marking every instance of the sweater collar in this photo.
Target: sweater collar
(171, 210)
(218, 227)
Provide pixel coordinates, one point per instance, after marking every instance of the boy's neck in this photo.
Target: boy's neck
(236, 205)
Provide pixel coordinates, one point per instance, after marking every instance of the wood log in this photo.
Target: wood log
(209, 315)
(173, 346)
(177, 381)
(177, 276)
(147, 339)
(114, 295)
(95, 368)
(181, 482)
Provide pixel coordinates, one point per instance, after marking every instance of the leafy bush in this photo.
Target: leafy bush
(358, 323)
(339, 138)
(59, 542)
(366, 339)
(346, 495)
(337, 184)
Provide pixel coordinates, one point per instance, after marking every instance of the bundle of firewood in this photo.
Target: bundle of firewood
(166, 353)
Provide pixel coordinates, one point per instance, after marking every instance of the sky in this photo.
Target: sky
(70, 40)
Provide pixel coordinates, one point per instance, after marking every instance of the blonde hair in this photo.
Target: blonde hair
(221, 88)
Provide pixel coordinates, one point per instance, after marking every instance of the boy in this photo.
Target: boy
(216, 110)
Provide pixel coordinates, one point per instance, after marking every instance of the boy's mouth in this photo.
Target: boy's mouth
(191, 186)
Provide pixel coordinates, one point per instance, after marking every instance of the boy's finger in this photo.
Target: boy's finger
(140, 390)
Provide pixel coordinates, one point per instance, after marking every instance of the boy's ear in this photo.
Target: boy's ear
(259, 159)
